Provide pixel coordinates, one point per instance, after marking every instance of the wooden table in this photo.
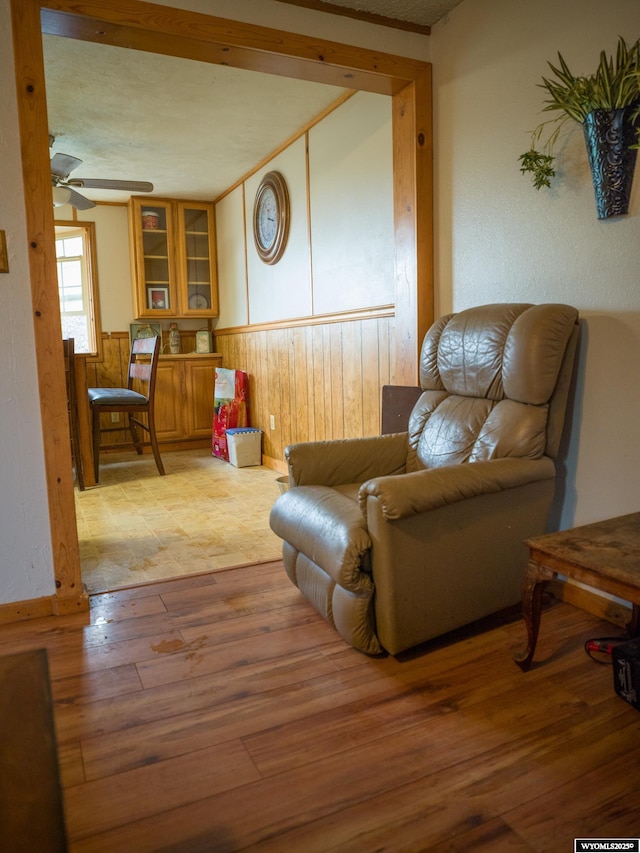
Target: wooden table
(604, 555)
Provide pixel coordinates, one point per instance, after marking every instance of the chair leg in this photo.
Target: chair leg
(154, 444)
(95, 422)
(134, 434)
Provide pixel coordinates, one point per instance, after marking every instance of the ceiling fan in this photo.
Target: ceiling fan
(64, 191)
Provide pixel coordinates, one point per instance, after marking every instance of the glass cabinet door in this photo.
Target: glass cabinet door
(173, 258)
(153, 231)
(199, 288)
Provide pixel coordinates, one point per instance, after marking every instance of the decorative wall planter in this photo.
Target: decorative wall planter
(608, 135)
(607, 105)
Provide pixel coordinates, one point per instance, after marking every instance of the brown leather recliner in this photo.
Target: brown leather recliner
(396, 539)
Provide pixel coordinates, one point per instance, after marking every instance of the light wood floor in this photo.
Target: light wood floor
(203, 516)
(221, 713)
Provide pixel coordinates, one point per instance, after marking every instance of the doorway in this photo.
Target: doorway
(222, 42)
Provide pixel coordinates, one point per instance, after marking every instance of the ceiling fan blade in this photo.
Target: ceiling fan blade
(63, 164)
(79, 201)
(99, 184)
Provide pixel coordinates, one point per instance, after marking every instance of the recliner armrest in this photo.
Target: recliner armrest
(350, 460)
(421, 491)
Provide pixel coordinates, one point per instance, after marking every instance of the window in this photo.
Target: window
(77, 285)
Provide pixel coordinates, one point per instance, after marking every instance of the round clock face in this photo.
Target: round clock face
(267, 219)
(198, 301)
(271, 218)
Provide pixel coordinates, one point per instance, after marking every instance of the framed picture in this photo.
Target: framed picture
(144, 330)
(158, 297)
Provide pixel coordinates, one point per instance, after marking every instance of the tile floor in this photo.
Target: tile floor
(203, 515)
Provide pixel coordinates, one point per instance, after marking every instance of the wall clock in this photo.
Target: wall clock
(271, 216)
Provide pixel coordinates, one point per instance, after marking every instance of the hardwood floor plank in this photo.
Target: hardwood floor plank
(110, 606)
(222, 714)
(607, 806)
(203, 656)
(494, 836)
(97, 686)
(91, 720)
(106, 803)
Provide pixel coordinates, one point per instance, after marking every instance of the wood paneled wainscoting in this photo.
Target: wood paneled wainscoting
(319, 380)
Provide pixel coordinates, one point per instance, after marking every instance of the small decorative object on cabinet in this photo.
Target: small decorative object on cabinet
(174, 339)
(145, 330)
(173, 258)
(203, 341)
(607, 105)
(271, 215)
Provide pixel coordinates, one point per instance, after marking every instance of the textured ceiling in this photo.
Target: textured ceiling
(193, 129)
(421, 12)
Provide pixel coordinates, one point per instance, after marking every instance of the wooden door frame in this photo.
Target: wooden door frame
(161, 29)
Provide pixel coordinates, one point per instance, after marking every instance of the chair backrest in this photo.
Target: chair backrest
(143, 365)
(495, 382)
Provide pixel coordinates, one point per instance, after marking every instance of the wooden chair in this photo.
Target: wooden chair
(68, 345)
(143, 364)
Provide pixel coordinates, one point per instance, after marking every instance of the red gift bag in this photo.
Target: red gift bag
(230, 407)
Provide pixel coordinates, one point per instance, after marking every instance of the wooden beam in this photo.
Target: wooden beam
(413, 214)
(191, 35)
(32, 110)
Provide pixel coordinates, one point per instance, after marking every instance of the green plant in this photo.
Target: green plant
(611, 87)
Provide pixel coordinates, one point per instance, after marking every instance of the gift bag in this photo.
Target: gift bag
(230, 407)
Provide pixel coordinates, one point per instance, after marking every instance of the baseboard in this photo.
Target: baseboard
(20, 611)
(598, 605)
(275, 464)
(37, 608)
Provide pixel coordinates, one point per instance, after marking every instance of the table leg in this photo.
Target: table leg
(633, 626)
(533, 586)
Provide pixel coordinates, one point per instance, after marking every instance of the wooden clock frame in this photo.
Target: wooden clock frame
(277, 184)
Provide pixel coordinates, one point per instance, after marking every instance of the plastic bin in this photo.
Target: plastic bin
(245, 446)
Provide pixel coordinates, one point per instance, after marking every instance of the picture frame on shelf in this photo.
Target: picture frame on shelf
(158, 298)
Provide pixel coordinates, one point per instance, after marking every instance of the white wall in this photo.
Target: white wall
(351, 194)
(339, 254)
(26, 567)
(498, 239)
(113, 260)
(280, 290)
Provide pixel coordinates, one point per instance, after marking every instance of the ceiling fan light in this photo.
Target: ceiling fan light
(61, 196)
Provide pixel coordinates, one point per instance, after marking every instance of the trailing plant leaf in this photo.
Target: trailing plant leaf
(610, 87)
(540, 166)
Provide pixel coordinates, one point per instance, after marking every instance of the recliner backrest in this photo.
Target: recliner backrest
(489, 376)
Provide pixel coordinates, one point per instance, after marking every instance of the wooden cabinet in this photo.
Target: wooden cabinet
(173, 258)
(184, 397)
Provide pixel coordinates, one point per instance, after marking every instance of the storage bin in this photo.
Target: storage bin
(245, 446)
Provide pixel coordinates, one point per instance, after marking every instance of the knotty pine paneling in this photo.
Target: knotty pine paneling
(321, 381)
